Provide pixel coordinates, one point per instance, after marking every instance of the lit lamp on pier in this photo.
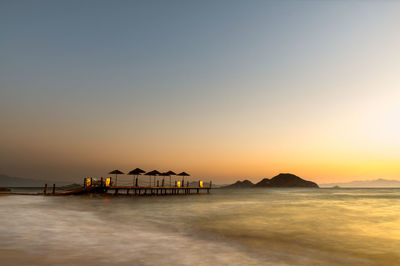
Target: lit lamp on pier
(108, 181)
(88, 181)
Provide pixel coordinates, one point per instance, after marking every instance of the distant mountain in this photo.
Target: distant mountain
(281, 180)
(285, 180)
(377, 183)
(241, 184)
(8, 181)
(263, 183)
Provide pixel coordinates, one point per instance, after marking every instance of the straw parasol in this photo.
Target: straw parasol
(116, 173)
(152, 173)
(183, 174)
(136, 172)
(169, 173)
(164, 174)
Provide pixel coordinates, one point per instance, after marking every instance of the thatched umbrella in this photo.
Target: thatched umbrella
(164, 174)
(183, 174)
(169, 173)
(136, 172)
(116, 173)
(152, 173)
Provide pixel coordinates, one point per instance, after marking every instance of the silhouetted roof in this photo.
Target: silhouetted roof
(154, 172)
(171, 173)
(116, 172)
(136, 171)
(183, 174)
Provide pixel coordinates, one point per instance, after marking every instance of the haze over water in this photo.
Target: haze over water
(227, 227)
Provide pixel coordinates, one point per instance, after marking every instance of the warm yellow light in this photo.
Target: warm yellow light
(108, 181)
(201, 183)
(178, 184)
(88, 181)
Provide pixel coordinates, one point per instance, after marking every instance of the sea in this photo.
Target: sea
(329, 226)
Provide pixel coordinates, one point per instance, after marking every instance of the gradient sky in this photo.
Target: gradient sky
(220, 89)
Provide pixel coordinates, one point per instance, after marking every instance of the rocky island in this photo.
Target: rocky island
(281, 180)
(241, 184)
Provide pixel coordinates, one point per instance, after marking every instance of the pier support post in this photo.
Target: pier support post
(45, 189)
(54, 189)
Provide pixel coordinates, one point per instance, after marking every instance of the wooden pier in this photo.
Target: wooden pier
(106, 187)
(156, 191)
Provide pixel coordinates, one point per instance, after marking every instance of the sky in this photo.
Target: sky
(224, 90)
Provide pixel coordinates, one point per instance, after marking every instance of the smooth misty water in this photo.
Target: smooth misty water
(227, 227)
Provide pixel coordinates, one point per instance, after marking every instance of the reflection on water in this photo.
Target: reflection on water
(227, 227)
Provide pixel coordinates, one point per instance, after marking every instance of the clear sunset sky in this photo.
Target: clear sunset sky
(222, 89)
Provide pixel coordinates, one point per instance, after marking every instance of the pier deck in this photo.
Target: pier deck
(150, 190)
(110, 189)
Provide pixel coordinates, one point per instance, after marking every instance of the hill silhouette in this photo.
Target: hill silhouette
(281, 180)
(241, 184)
(285, 180)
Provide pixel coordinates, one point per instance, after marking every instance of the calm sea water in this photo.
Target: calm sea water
(227, 227)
